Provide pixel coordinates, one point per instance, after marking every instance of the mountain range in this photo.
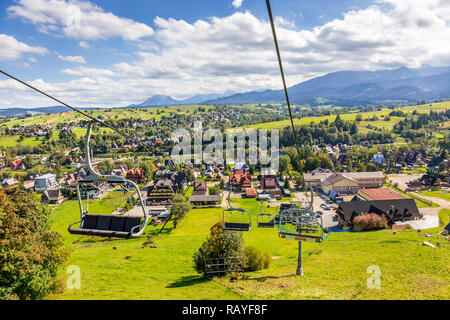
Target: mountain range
(342, 88)
(346, 88)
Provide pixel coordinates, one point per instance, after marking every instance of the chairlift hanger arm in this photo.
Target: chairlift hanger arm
(65, 104)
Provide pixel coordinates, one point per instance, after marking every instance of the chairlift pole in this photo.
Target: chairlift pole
(300, 260)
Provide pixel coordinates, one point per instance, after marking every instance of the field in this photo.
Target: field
(362, 125)
(70, 116)
(334, 269)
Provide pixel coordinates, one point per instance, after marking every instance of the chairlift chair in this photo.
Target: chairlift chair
(107, 225)
(297, 224)
(245, 221)
(264, 219)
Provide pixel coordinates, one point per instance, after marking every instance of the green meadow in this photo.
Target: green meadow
(334, 269)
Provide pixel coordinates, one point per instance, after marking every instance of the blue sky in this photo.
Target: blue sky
(114, 53)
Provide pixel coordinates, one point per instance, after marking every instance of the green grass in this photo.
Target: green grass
(436, 194)
(12, 141)
(334, 269)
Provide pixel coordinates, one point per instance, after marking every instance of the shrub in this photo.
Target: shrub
(267, 258)
(219, 244)
(370, 221)
(254, 258)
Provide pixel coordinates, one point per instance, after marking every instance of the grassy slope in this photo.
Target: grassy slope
(352, 116)
(65, 117)
(335, 269)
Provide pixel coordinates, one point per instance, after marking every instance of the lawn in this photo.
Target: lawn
(437, 194)
(334, 269)
(12, 141)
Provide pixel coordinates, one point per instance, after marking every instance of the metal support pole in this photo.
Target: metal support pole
(300, 262)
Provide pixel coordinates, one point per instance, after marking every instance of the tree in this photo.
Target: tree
(30, 254)
(180, 207)
(213, 190)
(227, 245)
(284, 165)
(299, 181)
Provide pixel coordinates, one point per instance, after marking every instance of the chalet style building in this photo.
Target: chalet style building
(240, 181)
(136, 175)
(393, 210)
(201, 197)
(52, 197)
(16, 165)
(161, 192)
(269, 182)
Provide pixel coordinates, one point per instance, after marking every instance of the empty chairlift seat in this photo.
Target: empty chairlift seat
(106, 226)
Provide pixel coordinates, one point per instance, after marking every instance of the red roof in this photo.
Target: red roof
(382, 194)
(241, 178)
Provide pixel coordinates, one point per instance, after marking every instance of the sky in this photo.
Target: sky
(112, 53)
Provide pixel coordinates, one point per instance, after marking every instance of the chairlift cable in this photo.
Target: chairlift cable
(65, 104)
(275, 39)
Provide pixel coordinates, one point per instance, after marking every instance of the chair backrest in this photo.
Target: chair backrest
(89, 221)
(117, 223)
(131, 222)
(103, 222)
(113, 223)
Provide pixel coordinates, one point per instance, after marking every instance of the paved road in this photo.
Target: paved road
(443, 204)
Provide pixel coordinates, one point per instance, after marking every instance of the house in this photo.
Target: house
(52, 197)
(10, 183)
(161, 192)
(345, 183)
(250, 193)
(201, 197)
(240, 181)
(392, 210)
(17, 165)
(136, 175)
(276, 193)
(28, 185)
(269, 182)
(45, 182)
(205, 200)
(240, 165)
(200, 188)
(341, 183)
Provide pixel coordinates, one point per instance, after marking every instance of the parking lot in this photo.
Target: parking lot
(318, 205)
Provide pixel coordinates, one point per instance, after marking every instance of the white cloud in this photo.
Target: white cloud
(84, 45)
(237, 3)
(78, 19)
(74, 59)
(12, 49)
(89, 72)
(236, 53)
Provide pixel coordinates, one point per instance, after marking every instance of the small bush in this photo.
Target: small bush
(369, 222)
(267, 258)
(254, 258)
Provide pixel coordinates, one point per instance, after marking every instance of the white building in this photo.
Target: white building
(45, 182)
